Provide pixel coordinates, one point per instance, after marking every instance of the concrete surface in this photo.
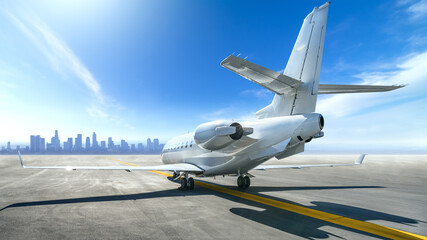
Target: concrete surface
(389, 190)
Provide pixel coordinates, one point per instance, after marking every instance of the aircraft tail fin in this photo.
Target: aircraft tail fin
(306, 59)
(297, 88)
(303, 65)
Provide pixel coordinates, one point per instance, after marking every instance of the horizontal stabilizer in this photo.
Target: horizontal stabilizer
(332, 88)
(358, 161)
(272, 80)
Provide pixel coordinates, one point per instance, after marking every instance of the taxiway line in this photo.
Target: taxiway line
(328, 217)
(130, 164)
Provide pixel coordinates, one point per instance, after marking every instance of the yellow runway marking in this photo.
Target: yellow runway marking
(123, 162)
(328, 217)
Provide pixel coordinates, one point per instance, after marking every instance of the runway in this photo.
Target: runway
(386, 197)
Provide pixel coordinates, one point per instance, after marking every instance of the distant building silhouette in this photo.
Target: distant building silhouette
(78, 144)
(8, 148)
(37, 144)
(55, 143)
(42, 145)
(149, 146)
(110, 143)
(68, 145)
(94, 141)
(87, 143)
(156, 147)
(103, 145)
(124, 146)
(140, 148)
(34, 143)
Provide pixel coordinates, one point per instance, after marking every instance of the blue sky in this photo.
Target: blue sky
(138, 69)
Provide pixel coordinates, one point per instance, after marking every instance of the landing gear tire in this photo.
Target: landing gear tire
(243, 182)
(190, 183)
(246, 182)
(183, 184)
(240, 182)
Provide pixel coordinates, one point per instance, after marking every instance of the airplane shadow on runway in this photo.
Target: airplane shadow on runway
(283, 220)
(309, 227)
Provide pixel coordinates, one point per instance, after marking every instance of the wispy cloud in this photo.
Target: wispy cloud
(67, 64)
(418, 10)
(412, 71)
(59, 54)
(259, 93)
(418, 41)
(229, 113)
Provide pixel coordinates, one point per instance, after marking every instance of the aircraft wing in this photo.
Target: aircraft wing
(272, 80)
(177, 167)
(332, 88)
(358, 161)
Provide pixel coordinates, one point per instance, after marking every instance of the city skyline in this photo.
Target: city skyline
(39, 145)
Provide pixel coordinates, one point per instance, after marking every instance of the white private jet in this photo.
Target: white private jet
(281, 129)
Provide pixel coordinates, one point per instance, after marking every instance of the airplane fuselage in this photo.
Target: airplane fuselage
(269, 137)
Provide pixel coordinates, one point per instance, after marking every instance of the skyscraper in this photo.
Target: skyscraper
(124, 146)
(156, 147)
(78, 143)
(9, 148)
(140, 148)
(35, 143)
(94, 141)
(103, 145)
(87, 143)
(66, 146)
(149, 146)
(110, 143)
(70, 145)
(55, 143)
(42, 145)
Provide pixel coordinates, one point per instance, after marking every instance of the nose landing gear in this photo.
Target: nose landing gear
(243, 182)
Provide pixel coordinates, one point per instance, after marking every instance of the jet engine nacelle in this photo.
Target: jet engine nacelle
(218, 134)
(310, 128)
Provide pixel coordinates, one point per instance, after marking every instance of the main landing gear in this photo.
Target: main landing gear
(186, 183)
(243, 182)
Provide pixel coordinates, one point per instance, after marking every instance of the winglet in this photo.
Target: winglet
(20, 159)
(360, 159)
